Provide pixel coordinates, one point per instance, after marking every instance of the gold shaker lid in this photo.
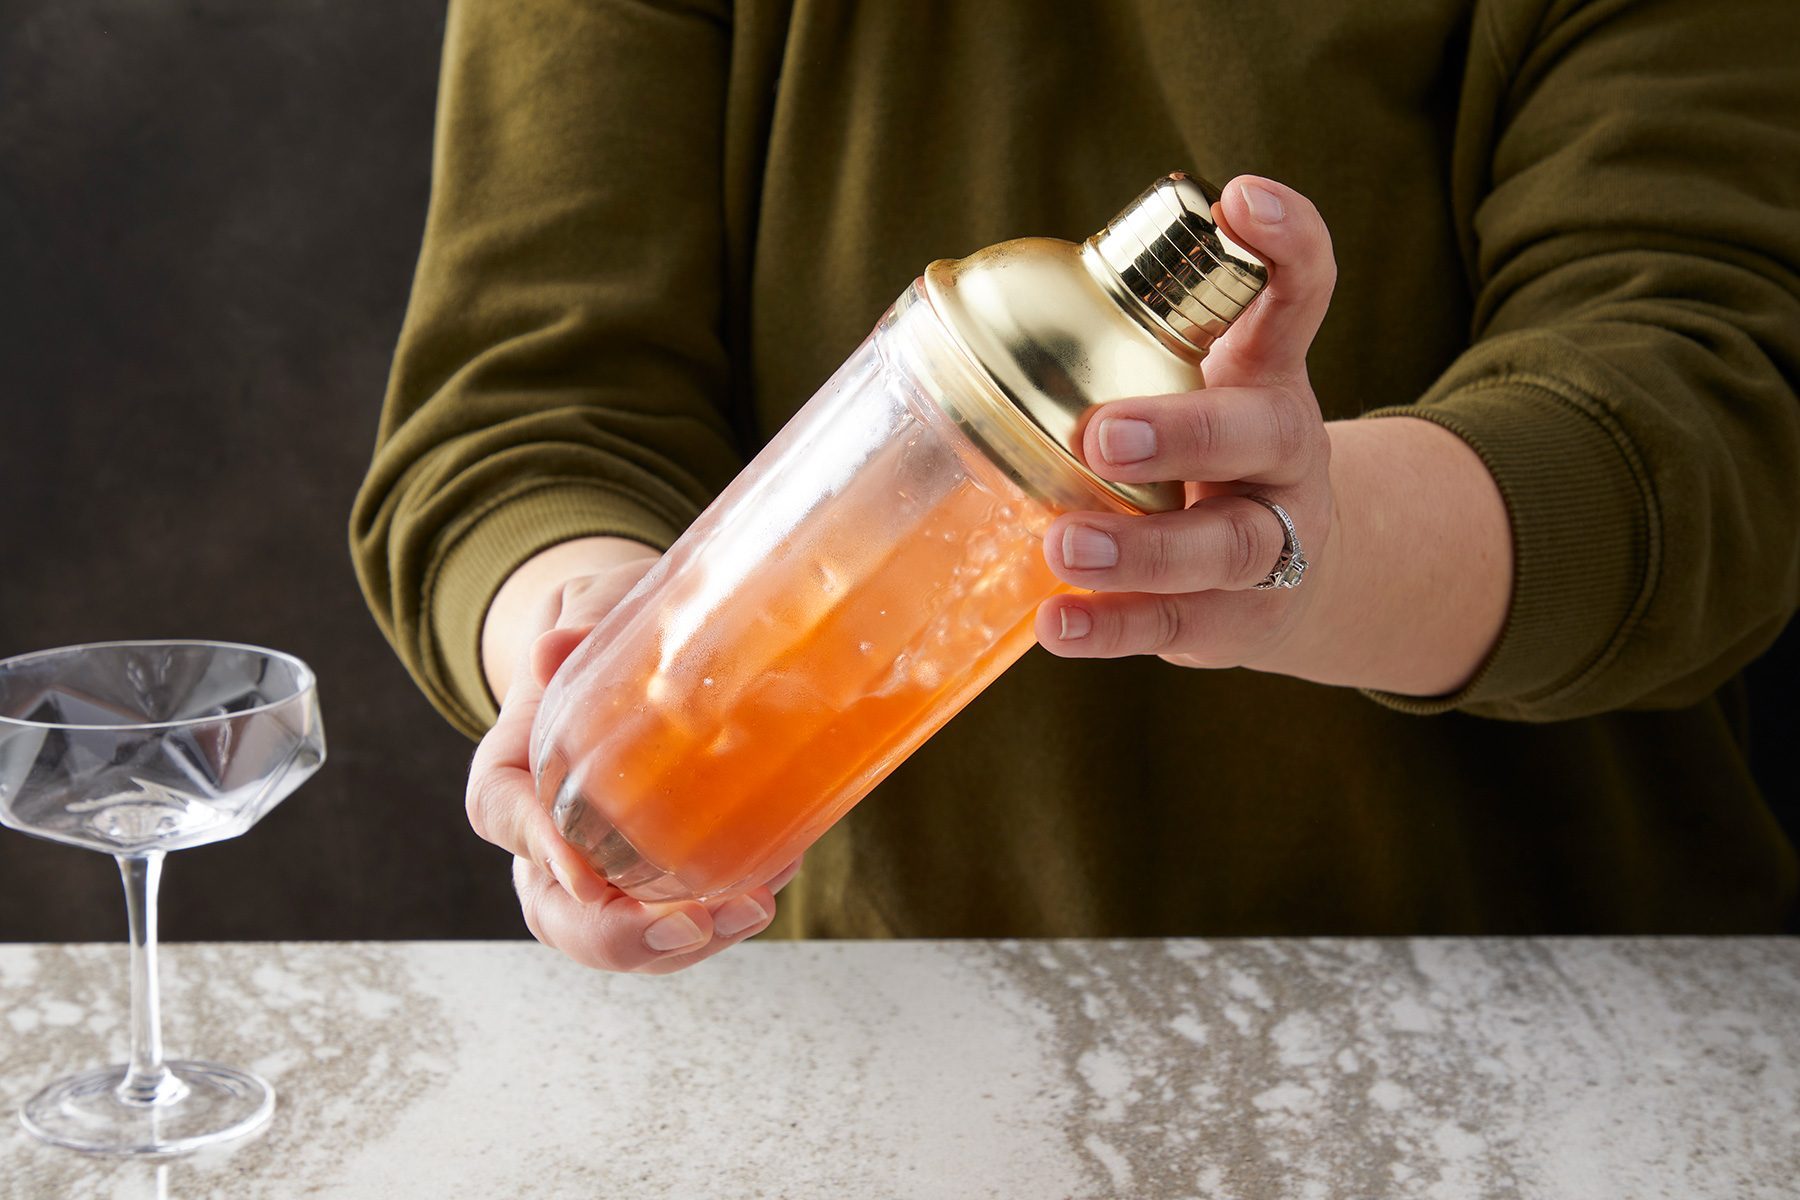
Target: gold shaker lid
(1061, 329)
(1168, 251)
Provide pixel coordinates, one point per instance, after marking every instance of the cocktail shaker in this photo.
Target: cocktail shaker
(879, 563)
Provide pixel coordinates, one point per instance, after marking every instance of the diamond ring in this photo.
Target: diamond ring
(1291, 566)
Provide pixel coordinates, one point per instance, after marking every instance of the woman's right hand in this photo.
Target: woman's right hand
(538, 618)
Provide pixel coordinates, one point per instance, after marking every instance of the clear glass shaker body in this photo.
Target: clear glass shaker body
(860, 582)
(880, 562)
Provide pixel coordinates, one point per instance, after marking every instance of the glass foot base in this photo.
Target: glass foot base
(85, 1112)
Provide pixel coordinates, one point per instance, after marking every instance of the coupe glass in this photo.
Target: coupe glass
(135, 749)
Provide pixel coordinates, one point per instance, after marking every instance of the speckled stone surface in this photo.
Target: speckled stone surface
(1328, 1070)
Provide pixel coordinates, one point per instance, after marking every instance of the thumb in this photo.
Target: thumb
(1269, 342)
(580, 604)
(551, 648)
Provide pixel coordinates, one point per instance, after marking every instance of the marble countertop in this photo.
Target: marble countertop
(1317, 1070)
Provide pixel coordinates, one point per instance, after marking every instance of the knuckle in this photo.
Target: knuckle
(607, 939)
(1155, 551)
(476, 803)
(1328, 268)
(587, 599)
(485, 806)
(1166, 622)
(1203, 430)
(568, 600)
(1290, 426)
(578, 602)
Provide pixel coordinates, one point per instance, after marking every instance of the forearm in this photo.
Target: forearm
(526, 406)
(521, 609)
(1408, 594)
(1412, 582)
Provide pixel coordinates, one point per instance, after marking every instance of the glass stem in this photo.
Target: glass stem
(147, 1080)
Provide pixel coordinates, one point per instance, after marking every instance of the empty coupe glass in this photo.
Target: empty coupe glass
(135, 749)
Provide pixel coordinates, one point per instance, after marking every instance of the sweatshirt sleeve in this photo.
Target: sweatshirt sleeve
(560, 372)
(1627, 185)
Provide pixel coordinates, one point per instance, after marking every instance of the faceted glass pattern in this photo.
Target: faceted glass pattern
(135, 749)
(130, 747)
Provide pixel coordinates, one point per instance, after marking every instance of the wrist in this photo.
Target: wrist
(1414, 573)
(524, 606)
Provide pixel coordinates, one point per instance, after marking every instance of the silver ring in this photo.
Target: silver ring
(1291, 566)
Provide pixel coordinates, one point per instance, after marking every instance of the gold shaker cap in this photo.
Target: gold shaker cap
(1168, 251)
(1060, 330)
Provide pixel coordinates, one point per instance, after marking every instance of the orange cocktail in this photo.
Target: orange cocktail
(878, 563)
(718, 759)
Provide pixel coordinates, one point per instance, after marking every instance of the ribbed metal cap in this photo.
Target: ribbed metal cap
(1169, 252)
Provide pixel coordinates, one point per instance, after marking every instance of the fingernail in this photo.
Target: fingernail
(1264, 205)
(582, 885)
(562, 877)
(741, 914)
(676, 931)
(1086, 548)
(1075, 624)
(1126, 440)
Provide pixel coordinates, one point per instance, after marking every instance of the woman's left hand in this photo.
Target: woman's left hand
(1182, 584)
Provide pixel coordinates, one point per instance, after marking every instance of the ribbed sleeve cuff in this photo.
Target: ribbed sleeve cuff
(1583, 528)
(513, 528)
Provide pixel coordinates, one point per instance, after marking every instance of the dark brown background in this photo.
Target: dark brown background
(209, 213)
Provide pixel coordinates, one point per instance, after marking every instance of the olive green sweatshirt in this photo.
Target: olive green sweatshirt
(1568, 231)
